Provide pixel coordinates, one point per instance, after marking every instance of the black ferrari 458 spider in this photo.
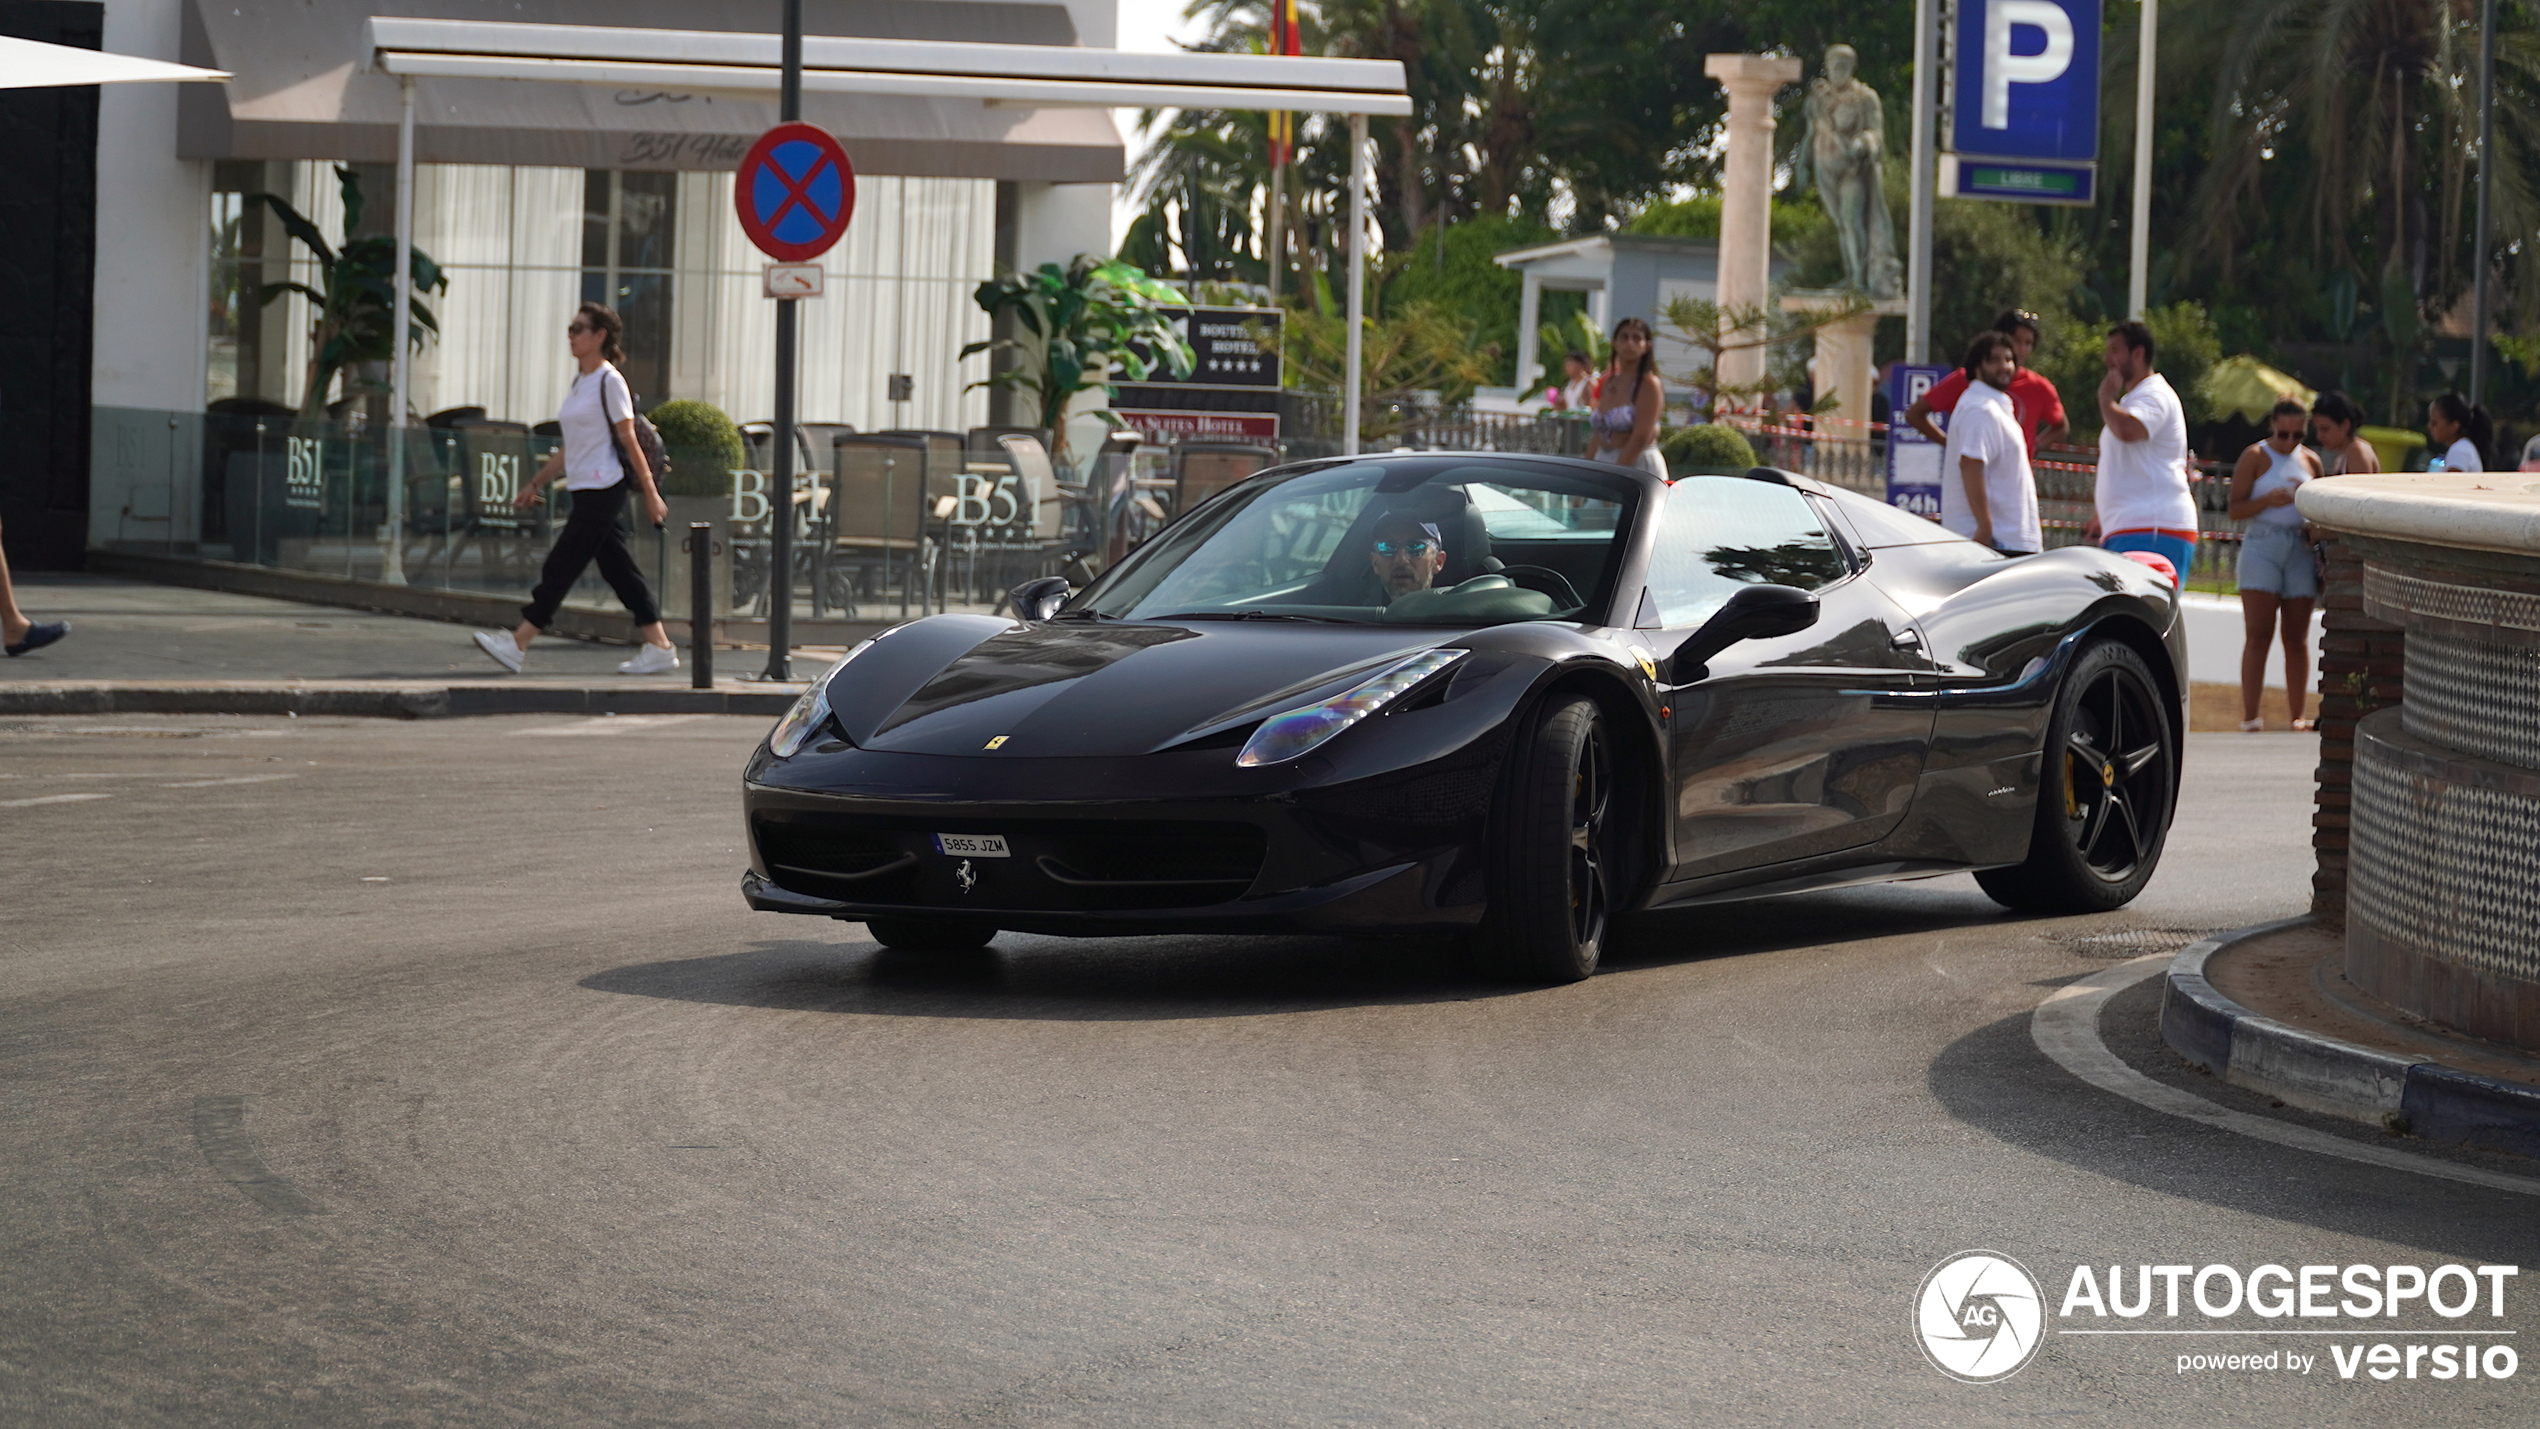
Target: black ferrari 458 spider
(1504, 695)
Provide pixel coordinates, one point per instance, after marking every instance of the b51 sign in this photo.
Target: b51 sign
(2024, 101)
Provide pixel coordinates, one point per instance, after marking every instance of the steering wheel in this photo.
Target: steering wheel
(1547, 580)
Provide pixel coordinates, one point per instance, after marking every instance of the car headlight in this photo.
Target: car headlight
(808, 713)
(1283, 737)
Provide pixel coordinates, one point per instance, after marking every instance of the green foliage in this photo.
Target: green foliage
(1413, 355)
(1080, 325)
(703, 444)
(2074, 357)
(1797, 222)
(1716, 330)
(2185, 347)
(356, 296)
(1706, 446)
(1451, 270)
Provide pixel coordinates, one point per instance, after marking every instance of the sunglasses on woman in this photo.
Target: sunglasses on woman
(576, 329)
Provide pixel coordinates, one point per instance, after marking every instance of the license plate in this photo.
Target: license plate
(972, 846)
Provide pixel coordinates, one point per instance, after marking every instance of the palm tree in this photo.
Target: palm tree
(2351, 126)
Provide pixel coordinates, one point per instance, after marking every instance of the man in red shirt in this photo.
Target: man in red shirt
(2034, 399)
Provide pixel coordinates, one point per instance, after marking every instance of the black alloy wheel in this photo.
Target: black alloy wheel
(928, 935)
(1554, 884)
(2105, 792)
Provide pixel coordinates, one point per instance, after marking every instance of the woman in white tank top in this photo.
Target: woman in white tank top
(2278, 581)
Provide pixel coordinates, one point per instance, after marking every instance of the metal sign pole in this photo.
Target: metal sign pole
(2138, 277)
(1918, 220)
(1353, 374)
(392, 562)
(780, 545)
(2486, 180)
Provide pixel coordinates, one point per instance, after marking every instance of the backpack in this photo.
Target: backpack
(656, 455)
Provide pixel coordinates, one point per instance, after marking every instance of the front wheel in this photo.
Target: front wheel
(1554, 861)
(926, 935)
(2105, 795)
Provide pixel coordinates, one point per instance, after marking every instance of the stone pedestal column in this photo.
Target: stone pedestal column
(1844, 368)
(1746, 194)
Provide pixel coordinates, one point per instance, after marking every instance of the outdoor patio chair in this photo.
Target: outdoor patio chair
(876, 520)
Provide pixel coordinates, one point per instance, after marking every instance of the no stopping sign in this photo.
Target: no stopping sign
(794, 192)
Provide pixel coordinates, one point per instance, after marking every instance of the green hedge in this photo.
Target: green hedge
(1706, 446)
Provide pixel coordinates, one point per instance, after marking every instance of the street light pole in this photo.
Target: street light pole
(2486, 181)
(780, 544)
(1918, 219)
(2139, 275)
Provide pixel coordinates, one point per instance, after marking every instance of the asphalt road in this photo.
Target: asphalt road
(435, 1074)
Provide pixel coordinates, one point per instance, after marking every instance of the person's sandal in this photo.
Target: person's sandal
(2305, 726)
(2253, 726)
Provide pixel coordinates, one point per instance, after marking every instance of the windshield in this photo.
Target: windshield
(1448, 542)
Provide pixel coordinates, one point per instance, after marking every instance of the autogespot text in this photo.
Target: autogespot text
(2277, 1300)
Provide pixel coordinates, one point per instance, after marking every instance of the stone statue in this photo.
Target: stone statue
(1844, 147)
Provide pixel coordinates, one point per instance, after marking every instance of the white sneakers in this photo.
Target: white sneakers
(651, 660)
(499, 647)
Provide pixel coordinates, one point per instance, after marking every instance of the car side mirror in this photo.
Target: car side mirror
(1757, 612)
(1038, 600)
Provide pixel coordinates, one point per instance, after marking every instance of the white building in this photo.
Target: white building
(534, 197)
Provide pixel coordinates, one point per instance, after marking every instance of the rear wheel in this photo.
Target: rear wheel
(2105, 795)
(1554, 854)
(926, 935)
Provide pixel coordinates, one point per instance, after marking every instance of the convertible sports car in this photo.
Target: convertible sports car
(1506, 695)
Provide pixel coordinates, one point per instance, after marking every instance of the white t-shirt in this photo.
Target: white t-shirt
(2463, 456)
(1986, 427)
(2143, 485)
(598, 402)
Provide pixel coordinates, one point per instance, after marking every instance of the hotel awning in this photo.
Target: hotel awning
(1027, 76)
(306, 86)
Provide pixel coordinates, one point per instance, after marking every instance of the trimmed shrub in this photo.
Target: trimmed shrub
(704, 447)
(1707, 446)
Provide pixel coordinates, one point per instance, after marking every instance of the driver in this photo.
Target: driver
(1406, 555)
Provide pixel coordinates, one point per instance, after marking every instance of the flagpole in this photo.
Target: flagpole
(1276, 253)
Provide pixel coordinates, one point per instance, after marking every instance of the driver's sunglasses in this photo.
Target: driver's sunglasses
(1414, 549)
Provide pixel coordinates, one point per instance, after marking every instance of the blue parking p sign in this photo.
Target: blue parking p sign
(2024, 100)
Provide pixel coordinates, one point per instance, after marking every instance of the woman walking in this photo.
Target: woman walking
(600, 460)
(2278, 582)
(2337, 424)
(1628, 402)
(2462, 432)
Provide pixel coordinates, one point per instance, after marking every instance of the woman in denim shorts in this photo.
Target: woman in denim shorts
(2278, 581)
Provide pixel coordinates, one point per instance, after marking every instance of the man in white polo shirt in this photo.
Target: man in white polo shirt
(2142, 497)
(1987, 491)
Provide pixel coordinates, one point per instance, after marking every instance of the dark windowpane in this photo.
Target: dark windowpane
(646, 209)
(595, 223)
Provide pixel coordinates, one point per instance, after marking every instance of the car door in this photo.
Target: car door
(1792, 746)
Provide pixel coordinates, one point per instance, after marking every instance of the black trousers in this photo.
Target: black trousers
(595, 529)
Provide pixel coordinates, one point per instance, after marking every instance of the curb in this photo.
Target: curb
(399, 701)
(2415, 1095)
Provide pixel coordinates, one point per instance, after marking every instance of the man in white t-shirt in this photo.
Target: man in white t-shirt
(1987, 491)
(2142, 497)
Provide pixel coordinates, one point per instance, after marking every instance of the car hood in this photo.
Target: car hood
(954, 684)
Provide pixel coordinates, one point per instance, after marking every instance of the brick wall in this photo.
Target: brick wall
(2361, 666)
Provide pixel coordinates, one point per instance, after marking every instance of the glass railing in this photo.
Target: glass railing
(940, 529)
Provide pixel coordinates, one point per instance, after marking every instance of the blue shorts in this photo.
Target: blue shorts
(2180, 551)
(2274, 558)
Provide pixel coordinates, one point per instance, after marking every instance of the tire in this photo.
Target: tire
(1554, 851)
(926, 935)
(2105, 793)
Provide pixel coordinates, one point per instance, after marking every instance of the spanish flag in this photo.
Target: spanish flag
(1284, 40)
